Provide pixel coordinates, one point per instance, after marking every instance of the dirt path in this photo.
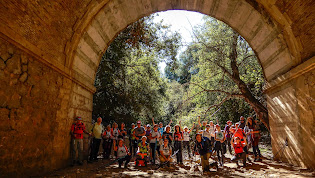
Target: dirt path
(265, 168)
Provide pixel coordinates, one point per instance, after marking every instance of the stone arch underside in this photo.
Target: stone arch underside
(50, 51)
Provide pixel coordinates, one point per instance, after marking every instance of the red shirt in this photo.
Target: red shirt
(179, 135)
(77, 129)
(239, 133)
(238, 148)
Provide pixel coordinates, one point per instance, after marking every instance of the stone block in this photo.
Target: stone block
(23, 77)
(24, 59)
(24, 68)
(14, 65)
(2, 65)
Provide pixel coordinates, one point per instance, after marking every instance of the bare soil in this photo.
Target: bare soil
(265, 168)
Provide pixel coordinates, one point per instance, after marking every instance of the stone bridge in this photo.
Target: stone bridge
(50, 51)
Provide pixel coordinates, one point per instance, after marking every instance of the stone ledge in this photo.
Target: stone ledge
(292, 74)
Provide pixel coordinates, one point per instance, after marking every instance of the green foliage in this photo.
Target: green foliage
(200, 67)
(128, 81)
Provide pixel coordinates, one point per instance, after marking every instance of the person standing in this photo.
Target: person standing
(154, 141)
(77, 130)
(123, 134)
(132, 139)
(219, 143)
(97, 131)
(242, 122)
(228, 135)
(168, 134)
(186, 140)
(212, 130)
(107, 142)
(256, 137)
(138, 132)
(178, 138)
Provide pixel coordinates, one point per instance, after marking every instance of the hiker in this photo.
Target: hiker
(242, 122)
(178, 138)
(154, 142)
(186, 139)
(212, 130)
(147, 132)
(238, 132)
(77, 130)
(97, 131)
(123, 133)
(228, 135)
(143, 150)
(203, 125)
(255, 140)
(132, 140)
(203, 148)
(238, 151)
(115, 131)
(138, 132)
(219, 143)
(165, 153)
(161, 129)
(123, 153)
(168, 134)
(107, 142)
(206, 132)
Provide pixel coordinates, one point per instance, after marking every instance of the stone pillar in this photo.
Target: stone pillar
(38, 104)
(291, 106)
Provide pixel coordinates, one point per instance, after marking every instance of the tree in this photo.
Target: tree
(228, 69)
(128, 81)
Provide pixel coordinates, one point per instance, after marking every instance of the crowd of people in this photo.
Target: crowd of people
(145, 144)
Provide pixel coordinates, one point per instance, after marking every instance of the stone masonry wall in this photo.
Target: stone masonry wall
(292, 118)
(35, 121)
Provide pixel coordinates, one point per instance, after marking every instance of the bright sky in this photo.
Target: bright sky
(182, 22)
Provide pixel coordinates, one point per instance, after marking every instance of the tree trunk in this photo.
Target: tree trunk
(259, 108)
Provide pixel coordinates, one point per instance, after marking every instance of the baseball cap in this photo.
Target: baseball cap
(138, 122)
(79, 118)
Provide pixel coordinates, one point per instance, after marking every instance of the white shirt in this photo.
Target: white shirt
(206, 133)
(186, 136)
(121, 151)
(154, 134)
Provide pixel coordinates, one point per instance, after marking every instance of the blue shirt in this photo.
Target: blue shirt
(161, 130)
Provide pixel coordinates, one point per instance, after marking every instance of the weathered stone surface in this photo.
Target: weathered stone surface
(29, 110)
(70, 32)
(14, 65)
(2, 65)
(23, 77)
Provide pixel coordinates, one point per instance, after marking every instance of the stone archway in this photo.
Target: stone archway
(267, 37)
(50, 51)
